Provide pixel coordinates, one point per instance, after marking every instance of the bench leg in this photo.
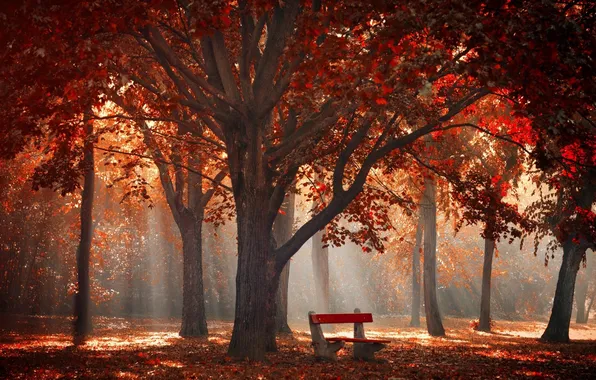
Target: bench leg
(366, 351)
(323, 349)
(327, 350)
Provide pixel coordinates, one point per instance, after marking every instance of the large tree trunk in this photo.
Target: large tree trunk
(560, 318)
(256, 280)
(581, 294)
(431, 306)
(320, 266)
(489, 249)
(282, 231)
(82, 324)
(194, 322)
(415, 320)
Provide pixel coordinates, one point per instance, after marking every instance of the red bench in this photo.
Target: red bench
(326, 348)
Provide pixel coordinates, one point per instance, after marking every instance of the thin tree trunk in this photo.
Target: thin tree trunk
(129, 287)
(581, 294)
(170, 252)
(431, 306)
(557, 329)
(320, 266)
(415, 320)
(194, 322)
(210, 274)
(281, 314)
(590, 305)
(222, 289)
(189, 219)
(282, 231)
(171, 302)
(580, 299)
(489, 249)
(82, 325)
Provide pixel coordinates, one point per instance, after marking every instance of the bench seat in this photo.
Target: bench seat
(326, 348)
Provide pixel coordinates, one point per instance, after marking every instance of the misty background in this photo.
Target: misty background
(136, 266)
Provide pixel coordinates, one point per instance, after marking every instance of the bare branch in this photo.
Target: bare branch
(166, 162)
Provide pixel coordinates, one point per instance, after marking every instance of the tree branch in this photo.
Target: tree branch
(342, 199)
(166, 162)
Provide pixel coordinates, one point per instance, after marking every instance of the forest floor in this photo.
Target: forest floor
(41, 348)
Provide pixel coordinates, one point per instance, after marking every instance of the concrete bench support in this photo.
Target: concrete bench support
(323, 349)
(364, 351)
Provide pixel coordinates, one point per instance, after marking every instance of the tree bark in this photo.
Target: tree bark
(431, 306)
(82, 324)
(557, 329)
(257, 279)
(194, 322)
(489, 248)
(282, 231)
(258, 201)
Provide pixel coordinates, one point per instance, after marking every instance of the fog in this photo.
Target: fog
(137, 268)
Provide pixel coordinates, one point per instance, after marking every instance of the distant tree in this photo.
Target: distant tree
(572, 221)
(188, 186)
(282, 231)
(82, 323)
(434, 323)
(581, 296)
(417, 248)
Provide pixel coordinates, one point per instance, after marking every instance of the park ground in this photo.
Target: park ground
(41, 348)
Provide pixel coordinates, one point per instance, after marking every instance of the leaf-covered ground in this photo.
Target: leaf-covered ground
(40, 348)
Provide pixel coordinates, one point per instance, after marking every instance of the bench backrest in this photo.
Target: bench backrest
(341, 318)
